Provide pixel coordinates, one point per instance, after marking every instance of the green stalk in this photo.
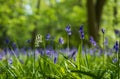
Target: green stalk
(86, 59)
(34, 64)
(79, 56)
(44, 58)
(94, 54)
(68, 44)
(118, 60)
(103, 52)
(7, 56)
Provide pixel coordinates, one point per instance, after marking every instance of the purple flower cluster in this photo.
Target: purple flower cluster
(114, 60)
(48, 36)
(7, 41)
(55, 59)
(14, 46)
(92, 41)
(81, 32)
(116, 46)
(68, 29)
(61, 41)
(117, 32)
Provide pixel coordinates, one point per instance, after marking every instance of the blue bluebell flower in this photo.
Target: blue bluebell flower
(68, 29)
(48, 36)
(28, 41)
(103, 30)
(41, 51)
(92, 41)
(1, 57)
(61, 41)
(81, 31)
(7, 41)
(55, 60)
(14, 46)
(23, 50)
(117, 32)
(73, 54)
(5, 49)
(10, 61)
(116, 46)
(109, 53)
(48, 52)
(114, 60)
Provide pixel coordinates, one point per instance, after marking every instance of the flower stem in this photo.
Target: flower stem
(68, 44)
(103, 52)
(79, 58)
(118, 60)
(33, 63)
(86, 59)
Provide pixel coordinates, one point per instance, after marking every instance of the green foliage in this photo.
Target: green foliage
(19, 18)
(64, 68)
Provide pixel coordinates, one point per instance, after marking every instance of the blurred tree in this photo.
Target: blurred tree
(94, 16)
(115, 12)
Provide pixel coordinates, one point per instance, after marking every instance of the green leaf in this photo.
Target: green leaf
(88, 73)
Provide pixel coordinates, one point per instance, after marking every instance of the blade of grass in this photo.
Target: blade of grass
(88, 73)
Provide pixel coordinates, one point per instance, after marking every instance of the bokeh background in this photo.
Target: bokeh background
(21, 20)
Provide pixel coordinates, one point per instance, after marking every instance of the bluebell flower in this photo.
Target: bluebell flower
(81, 29)
(81, 32)
(48, 36)
(28, 41)
(116, 46)
(10, 61)
(114, 60)
(5, 49)
(109, 53)
(7, 41)
(1, 57)
(61, 41)
(69, 33)
(73, 53)
(92, 41)
(103, 30)
(82, 35)
(23, 50)
(48, 52)
(68, 29)
(40, 51)
(117, 32)
(100, 52)
(55, 60)
(14, 46)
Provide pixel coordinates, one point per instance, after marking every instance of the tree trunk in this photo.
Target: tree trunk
(98, 10)
(94, 17)
(92, 26)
